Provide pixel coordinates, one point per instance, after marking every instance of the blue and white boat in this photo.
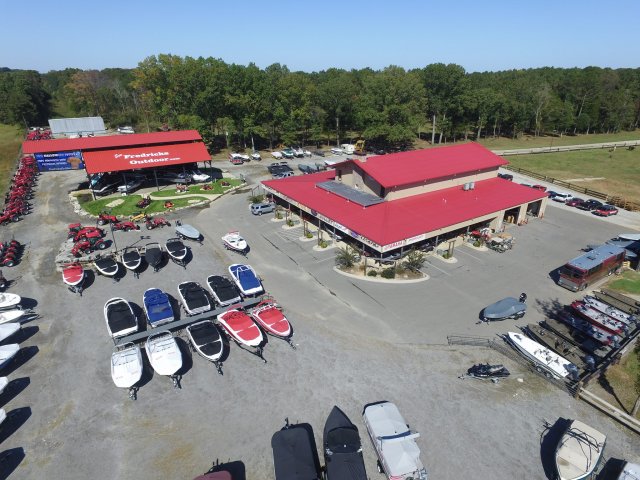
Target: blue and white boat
(157, 307)
(246, 279)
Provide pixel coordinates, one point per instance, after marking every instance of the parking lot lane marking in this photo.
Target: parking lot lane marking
(437, 268)
(470, 254)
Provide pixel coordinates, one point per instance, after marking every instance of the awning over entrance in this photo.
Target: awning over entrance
(145, 157)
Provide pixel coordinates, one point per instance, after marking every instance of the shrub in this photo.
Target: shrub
(308, 235)
(372, 273)
(278, 215)
(446, 255)
(324, 244)
(477, 243)
(388, 273)
(414, 260)
(346, 257)
(256, 199)
(289, 222)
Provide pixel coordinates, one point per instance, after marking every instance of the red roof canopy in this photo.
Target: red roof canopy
(392, 221)
(429, 164)
(109, 141)
(144, 157)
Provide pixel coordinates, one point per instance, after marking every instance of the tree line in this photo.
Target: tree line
(248, 106)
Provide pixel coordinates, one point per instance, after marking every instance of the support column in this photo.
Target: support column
(522, 213)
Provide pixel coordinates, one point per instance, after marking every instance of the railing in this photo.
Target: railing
(567, 148)
(611, 199)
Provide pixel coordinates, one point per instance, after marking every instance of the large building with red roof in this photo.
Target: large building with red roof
(395, 201)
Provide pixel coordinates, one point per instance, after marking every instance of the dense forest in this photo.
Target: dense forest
(247, 106)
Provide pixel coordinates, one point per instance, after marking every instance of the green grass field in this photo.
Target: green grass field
(128, 206)
(614, 173)
(628, 282)
(622, 377)
(10, 141)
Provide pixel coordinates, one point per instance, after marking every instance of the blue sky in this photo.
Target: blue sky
(310, 36)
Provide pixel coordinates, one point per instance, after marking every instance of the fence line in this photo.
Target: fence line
(567, 148)
(611, 199)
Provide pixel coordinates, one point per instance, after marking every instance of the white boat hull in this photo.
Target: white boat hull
(7, 352)
(164, 354)
(11, 316)
(579, 451)
(8, 300)
(4, 381)
(549, 362)
(126, 367)
(8, 329)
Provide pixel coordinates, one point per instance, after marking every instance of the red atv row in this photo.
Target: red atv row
(92, 241)
(78, 232)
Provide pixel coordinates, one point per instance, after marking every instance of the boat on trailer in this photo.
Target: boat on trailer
(4, 381)
(7, 352)
(242, 329)
(7, 316)
(106, 266)
(194, 298)
(626, 318)
(157, 307)
(295, 456)
(593, 331)
(561, 346)
(187, 232)
(342, 448)
(235, 242)
(8, 329)
(223, 290)
(9, 301)
(599, 319)
(207, 341)
(219, 475)
(269, 316)
(131, 258)
(127, 367)
(119, 317)
(73, 276)
(153, 255)
(164, 355)
(176, 250)
(246, 279)
(545, 361)
(579, 451)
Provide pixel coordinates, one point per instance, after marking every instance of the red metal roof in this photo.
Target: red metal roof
(109, 141)
(429, 164)
(392, 221)
(144, 157)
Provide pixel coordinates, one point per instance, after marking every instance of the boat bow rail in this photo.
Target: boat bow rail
(181, 324)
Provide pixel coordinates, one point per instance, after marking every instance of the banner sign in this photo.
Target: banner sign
(48, 162)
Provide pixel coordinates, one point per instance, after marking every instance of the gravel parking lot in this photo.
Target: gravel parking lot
(359, 342)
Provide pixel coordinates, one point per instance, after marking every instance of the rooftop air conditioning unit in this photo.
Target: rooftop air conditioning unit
(465, 187)
(472, 185)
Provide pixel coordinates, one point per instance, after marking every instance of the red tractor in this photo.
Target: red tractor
(8, 216)
(156, 222)
(91, 242)
(77, 231)
(125, 226)
(105, 218)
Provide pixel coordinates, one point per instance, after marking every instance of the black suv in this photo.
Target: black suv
(589, 205)
(506, 176)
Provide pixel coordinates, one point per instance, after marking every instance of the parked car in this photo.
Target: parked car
(260, 208)
(337, 151)
(506, 176)
(131, 185)
(551, 194)
(542, 188)
(319, 153)
(256, 156)
(106, 186)
(198, 176)
(278, 175)
(562, 197)
(288, 153)
(174, 177)
(298, 152)
(388, 258)
(606, 211)
(574, 202)
(236, 158)
(527, 185)
(277, 155)
(125, 130)
(307, 153)
(590, 204)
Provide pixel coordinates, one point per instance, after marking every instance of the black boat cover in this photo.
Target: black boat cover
(223, 288)
(120, 317)
(107, 266)
(194, 295)
(207, 338)
(294, 453)
(176, 248)
(131, 258)
(342, 448)
(153, 255)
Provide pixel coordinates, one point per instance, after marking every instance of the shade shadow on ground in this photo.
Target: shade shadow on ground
(9, 461)
(549, 440)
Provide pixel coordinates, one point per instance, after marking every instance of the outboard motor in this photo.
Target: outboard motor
(523, 297)
(590, 362)
(573, 372)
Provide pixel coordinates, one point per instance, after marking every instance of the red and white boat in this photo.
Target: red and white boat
(599, 319)
(269, 316)
(74, 276)
(242, 329)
